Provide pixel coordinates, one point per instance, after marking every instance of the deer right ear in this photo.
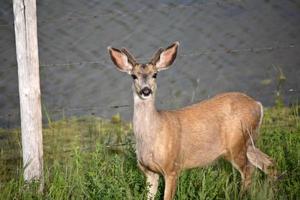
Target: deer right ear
(120, 59)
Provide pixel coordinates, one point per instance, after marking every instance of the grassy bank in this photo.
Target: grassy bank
(91, 158)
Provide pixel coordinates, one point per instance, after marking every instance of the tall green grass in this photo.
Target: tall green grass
(92, 158)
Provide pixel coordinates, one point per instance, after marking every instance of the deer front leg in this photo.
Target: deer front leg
(152, 181)
(170, 186)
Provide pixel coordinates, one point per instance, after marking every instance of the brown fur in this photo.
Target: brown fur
(170, 141)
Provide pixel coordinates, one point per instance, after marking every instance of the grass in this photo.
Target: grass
(92, 158)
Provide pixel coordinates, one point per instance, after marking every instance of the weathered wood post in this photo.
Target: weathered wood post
(29, 88)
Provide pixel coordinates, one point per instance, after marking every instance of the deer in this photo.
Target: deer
(169, 141)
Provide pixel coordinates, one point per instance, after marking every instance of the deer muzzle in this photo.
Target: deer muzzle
(146, 91)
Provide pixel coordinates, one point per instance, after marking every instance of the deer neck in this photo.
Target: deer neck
(146, 122)
(145, 117)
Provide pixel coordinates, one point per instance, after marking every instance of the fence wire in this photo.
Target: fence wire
(199, 52)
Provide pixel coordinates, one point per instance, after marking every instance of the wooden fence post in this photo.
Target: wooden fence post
(29, 88)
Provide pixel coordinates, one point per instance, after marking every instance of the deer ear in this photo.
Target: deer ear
(163, 58)
(120, 59)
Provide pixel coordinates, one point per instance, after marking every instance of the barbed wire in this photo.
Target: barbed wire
(288, 91)
(195, 53)
(56, 109)
(12, 116)
(74, 63)
(60, 109)
(115, 11)
(294, 123)
(240, 50)
(199, 52)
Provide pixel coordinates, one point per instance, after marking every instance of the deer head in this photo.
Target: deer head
(144, 74)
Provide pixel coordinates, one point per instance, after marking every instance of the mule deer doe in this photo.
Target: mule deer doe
(170, 141)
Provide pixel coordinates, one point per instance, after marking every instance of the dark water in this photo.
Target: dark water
(225, 46)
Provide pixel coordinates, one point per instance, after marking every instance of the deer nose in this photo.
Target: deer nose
(146, 91)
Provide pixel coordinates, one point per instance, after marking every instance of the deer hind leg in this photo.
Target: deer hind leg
(246, 170)
(240, 161)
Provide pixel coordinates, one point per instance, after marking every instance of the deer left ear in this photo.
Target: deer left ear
(163, 58)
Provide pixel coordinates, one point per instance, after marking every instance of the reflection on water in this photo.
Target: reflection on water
(225, 46)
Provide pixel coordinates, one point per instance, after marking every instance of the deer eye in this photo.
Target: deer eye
(133, 76)
(154, 75)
